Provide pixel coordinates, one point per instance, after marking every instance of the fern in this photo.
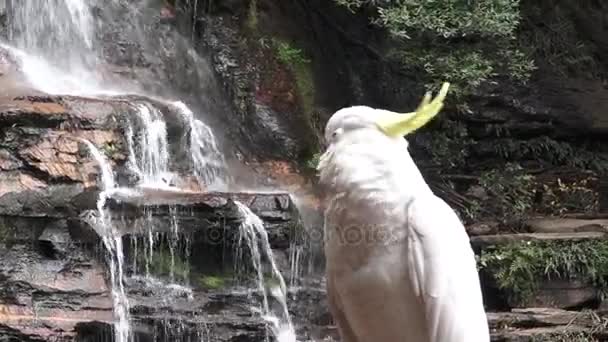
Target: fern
(519, 267)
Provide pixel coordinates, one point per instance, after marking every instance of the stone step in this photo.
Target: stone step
(483, 241)
(526, 325)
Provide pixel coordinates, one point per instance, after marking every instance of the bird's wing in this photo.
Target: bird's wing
(442, 267)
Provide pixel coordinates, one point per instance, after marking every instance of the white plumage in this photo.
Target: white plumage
(400, 267)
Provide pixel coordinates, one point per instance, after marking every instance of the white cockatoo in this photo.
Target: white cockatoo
(399, 264)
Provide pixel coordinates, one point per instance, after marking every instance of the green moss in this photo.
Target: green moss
(270, 281)
(306, 87)
(111, 148)
(252, 16)
(212, 282)
(161, 265)
(519, 267)
(301, 68)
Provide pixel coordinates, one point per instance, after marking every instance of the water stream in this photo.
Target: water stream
(55, 43)
(112, 241)
(254, 233)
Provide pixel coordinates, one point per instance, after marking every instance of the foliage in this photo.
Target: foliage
(448, 146)
(553, 151)
(301, 69)
(511, 191)
(519, 267)
(289, 54)
(445, 18)
(555, 39)
(313, 162)
(567, 336)
(569, 196)
(464, 42)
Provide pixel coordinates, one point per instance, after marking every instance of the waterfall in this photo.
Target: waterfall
(151, 162)
(253, 231)
(113, 243)
(57, 48)
(209, 164)
(55, 42)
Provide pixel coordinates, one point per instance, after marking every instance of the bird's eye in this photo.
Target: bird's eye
(336, 133)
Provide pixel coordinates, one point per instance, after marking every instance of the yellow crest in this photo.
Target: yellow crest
(397, 124)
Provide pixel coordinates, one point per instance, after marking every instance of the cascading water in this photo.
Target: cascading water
(55, 43)
(253, 231)
(56, 49)
(151, 162)
(209, 164)
(113, 244)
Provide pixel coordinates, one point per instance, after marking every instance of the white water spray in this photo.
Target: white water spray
(150, 158)
(253, 231)
(57, 48)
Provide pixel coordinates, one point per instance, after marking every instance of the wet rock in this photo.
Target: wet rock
(16, 182)
(266, 132)
(199, 212)
(56, 237)
(58, 155)
(49, 201)
(44, 299)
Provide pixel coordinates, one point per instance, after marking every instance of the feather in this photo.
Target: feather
(441, 264)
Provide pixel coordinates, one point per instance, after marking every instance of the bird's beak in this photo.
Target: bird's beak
(398, 124)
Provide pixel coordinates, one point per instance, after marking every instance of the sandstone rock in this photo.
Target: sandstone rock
(77, 301)
(198, 212)
(559, 293)
(14, 182)
(566, 225)
(75, 292)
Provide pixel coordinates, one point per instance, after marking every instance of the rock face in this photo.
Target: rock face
(54, 276)
(55, 286)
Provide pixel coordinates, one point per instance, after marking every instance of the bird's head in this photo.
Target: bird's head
(362, 134)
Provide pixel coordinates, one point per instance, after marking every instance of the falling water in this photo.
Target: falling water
(150, 158)
(209, 164)
(112, 240)
(253, 231)
(57, 54)
(57, 48)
